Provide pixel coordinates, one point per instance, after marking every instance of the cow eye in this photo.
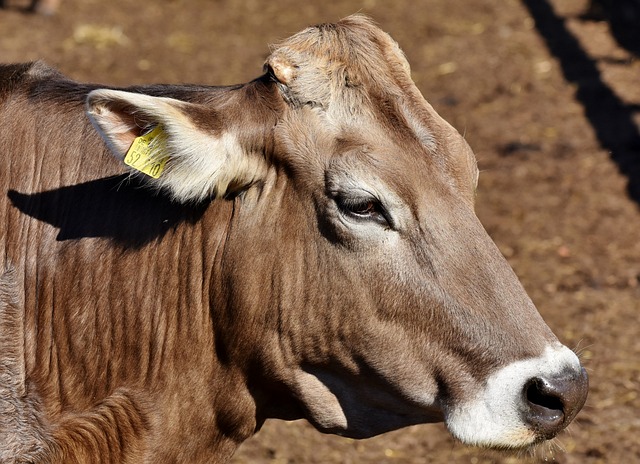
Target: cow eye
(368, 209)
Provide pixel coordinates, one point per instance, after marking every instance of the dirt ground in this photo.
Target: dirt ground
(543, 93)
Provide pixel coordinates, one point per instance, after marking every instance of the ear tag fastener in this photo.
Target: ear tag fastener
(147, 153)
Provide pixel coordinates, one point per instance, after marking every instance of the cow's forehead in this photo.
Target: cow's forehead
(359, 81)
(403, 166)
(356, 41)
(410, 159)
(343, 67)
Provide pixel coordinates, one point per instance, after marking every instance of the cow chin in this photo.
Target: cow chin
(523, 403)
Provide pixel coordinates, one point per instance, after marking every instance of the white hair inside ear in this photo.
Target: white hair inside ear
(200, 164)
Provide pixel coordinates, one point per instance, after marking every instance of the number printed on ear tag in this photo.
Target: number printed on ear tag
(147, 153)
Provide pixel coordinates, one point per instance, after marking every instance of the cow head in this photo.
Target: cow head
(358, 288)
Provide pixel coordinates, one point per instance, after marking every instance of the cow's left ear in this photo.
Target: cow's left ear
(193, 155)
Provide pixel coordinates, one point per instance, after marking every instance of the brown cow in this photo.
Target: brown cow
(309, 250)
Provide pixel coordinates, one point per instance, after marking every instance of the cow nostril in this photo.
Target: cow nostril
(538, 396)
(545, 409)
(551, 403)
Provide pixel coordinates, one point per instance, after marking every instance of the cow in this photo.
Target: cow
(189, 261)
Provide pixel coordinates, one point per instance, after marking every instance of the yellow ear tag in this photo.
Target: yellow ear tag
(147, 153)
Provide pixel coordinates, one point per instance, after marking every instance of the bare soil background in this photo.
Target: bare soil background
(546, 97)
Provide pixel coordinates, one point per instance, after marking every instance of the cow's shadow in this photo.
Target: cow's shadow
(119, 208)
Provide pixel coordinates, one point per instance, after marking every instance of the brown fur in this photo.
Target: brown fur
(135, 329)
(22, 434)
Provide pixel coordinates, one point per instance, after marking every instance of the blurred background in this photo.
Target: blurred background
(547, 92)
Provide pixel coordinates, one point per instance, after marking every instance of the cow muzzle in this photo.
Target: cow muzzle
(552, 402)
(523, 403)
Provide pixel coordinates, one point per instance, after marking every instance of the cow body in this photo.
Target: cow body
(310, 251)
(102, 354)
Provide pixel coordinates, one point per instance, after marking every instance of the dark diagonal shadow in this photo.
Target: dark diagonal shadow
(623, 17)
(609, 116)
(117, 208)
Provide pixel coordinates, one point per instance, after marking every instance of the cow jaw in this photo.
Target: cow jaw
(519, 405)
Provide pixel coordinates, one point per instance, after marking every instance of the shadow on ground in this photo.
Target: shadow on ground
(610, 117)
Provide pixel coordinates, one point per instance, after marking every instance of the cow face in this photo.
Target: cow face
(358, 282)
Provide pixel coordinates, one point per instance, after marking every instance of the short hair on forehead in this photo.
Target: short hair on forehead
(354, 50)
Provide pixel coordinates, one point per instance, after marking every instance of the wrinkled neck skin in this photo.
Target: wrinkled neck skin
(112, 337)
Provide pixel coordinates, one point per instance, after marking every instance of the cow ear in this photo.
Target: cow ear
(282, 69)
(194, 157)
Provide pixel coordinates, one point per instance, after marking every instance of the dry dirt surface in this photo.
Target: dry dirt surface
(544, 93)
